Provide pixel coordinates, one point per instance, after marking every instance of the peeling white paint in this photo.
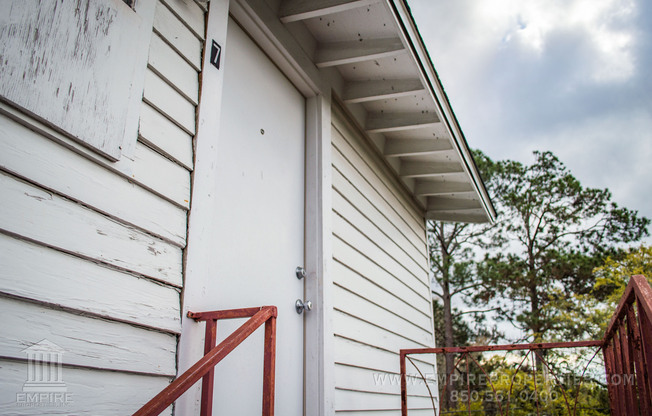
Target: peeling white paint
(75, 64)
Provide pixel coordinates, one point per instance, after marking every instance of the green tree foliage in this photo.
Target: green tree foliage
(463, 334)
(515, 383)
(612, 277)
(556, 233)
(538, 269)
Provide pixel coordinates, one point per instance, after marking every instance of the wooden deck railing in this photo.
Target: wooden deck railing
(626, 347)
(627, 351)
(205, 367)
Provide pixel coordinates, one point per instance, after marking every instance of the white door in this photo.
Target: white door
(260, 224)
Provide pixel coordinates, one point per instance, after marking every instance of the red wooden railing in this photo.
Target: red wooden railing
(205, 367)
(626, 347)
(628, 351)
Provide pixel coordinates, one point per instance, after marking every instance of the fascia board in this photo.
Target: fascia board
(413, 40)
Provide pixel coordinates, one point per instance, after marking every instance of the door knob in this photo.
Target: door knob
(300, 272)
(302, 306)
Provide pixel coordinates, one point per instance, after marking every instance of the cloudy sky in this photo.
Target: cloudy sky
(573, 77)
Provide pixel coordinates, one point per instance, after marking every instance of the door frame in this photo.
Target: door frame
(264, 27)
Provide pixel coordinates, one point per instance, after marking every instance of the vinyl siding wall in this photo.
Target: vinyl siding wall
(90, 250)
(380, 273)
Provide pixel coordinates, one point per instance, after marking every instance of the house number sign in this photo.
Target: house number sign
(216, 54)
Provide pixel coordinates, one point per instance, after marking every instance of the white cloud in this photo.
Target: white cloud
(611, 152)
(570, 76)
(529, 26)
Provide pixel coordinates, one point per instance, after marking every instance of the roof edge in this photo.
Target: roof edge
(407, 24)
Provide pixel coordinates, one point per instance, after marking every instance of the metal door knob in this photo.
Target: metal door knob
(302, 306)
(300, 272)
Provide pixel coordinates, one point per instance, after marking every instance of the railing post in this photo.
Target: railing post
(646, 347)
(403, 386)
(618, 371)
(627, 367)
(636, 355)
(269, 366)
(208, 382)
(468, 386)
(608, 352)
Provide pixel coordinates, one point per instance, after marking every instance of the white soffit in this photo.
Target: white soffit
(392, 90)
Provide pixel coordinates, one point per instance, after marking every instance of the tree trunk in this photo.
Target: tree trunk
(535, 322)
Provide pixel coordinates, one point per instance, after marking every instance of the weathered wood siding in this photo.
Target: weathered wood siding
(91, 250)
(55, 64)
(380, 273)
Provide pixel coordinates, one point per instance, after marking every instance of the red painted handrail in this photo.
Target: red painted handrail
(638, 289)
(204, 368)
(506, 347)
(626, 346)
(627, 349)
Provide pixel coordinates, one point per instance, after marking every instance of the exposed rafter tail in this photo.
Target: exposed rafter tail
(428, 169)
(437, 203)
(470, 215)
(408, 147)
(295, 10)
(358, 92)
(431, 188)
(342, 53)
(383, 122)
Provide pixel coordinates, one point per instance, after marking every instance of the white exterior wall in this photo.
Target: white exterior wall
(381, 293)
(91, 251)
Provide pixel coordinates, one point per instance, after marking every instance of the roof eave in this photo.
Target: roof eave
(412, 36)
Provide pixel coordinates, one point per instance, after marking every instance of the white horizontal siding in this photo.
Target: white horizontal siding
(92, 392)
(373, 231)
(91, 250)
(365, 380)
(354, 259)
(167, 64)
(355, 237)
(165, 137)
(387, 196)
(374, 314)
(380, 210)
(162, 176)
(365, 332)
(357, 354)
(24, 152)
(190, 14)
(160, 95)
(108, 293)
(173, 30)
(370, 291)
(350, 400)
(145, 167)
(42, 216)
(87, 341)
(380, 273)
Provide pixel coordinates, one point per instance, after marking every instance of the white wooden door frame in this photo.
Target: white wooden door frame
(271, 36)
(199, 259)
(319, 364)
